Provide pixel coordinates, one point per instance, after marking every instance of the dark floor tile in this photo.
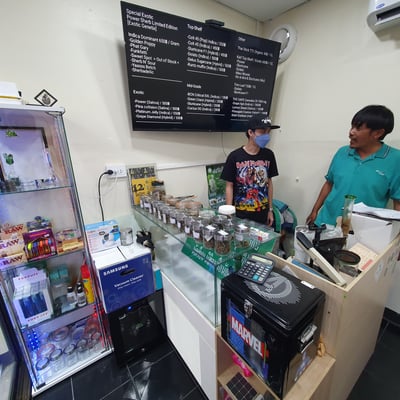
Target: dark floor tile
(371, 387)
(391, 338)
(155, 354)
(127, 391)
(166, 379)
(61, 391)
(100, 379)
(196, 394)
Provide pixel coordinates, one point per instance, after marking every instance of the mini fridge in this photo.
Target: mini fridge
(274, 326)
(138, 327)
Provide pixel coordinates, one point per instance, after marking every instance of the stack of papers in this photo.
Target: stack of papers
(384, 213)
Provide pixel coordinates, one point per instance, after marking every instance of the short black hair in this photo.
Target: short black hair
(374, 117)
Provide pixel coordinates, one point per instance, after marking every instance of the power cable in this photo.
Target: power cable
(108, 172)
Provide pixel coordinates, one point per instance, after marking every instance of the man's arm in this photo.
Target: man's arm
(229, 193)
(323, 194)
(396, 205)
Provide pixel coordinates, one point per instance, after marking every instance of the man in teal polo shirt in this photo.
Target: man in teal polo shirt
(368, 168)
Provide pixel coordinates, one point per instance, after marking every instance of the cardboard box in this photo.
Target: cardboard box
(374, 233)
(31, 299)
(124, 275)
(103, 235)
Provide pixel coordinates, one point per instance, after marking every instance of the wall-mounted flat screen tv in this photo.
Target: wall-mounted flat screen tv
(191, 76)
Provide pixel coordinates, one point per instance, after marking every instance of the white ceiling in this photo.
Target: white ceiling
(262, 10)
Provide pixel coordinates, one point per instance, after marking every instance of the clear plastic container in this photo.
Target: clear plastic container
(146, 203)
(157, 190)
(208, 236)
(165, 214)
(180, 221)
(228, 226)
(56, 360)
(189, 225)
(43, 369)
(70, 355)
(82, 349)
(242, 236)
(197, 230)
(219, 220)
(223, 242)
(172, 216)
(227, 210)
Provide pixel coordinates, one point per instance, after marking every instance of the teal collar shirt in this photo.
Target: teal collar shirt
(373, 180)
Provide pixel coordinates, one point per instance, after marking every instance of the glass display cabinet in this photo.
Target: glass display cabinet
(45, 271)
(195, 265)
(192, 268)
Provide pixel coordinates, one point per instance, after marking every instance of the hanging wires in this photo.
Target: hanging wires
(108, 172)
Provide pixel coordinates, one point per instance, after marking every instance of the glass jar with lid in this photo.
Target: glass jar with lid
(157, 190)
(180, 220)
(227, 210)
(146, 202)
(172, 216)
(197, 229)
(228, 226)
(165, 214)
(189, 225)
(242, 236)
(219, 220)
(223, 241)
(56, 360)
(208, 236)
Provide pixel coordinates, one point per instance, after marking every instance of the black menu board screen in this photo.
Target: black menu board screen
(187, 75)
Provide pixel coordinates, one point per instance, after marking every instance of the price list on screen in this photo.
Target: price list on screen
(188, 75)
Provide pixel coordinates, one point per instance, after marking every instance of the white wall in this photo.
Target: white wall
(75, 50)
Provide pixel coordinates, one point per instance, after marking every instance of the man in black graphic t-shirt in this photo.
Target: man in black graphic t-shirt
(248, 171)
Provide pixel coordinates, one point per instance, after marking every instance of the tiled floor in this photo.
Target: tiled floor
(162, 375)
(380, 378)
(158, 375)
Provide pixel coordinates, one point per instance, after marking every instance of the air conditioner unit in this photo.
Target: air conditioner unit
(383, 14)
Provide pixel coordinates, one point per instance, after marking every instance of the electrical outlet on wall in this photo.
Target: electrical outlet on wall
(119, 170)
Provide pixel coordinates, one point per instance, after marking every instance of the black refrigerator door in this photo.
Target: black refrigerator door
(14, 377)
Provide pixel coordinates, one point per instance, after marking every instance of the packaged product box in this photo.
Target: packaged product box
(12, 246)
(39, 244)
(12, 260)
(12, 231)
(103, 235)
(32, 300)
(124, 275)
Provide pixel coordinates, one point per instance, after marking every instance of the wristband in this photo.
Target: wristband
(271, 209)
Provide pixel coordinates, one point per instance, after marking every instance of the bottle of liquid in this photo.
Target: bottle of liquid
(71, 296)
(87, 283)
(80, 295)
(347, 212)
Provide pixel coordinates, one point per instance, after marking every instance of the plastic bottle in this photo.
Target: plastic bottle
(87, 283)
(80, 295)
(71, 296)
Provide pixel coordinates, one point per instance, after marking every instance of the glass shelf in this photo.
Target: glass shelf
(195, 270)
(44, 246)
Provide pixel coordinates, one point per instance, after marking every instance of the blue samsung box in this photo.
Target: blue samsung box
(124, 275)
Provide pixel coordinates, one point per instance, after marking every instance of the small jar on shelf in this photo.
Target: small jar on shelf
(223, 241)
(208, 236)
(242, 236)
(197, 230)
(189, 225)
(180, 221)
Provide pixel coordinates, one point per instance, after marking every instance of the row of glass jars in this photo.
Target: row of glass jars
(216, 232)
